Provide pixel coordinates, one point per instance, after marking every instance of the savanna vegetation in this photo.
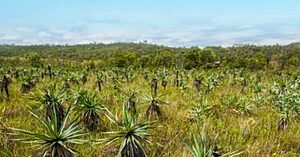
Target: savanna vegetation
(138, 99)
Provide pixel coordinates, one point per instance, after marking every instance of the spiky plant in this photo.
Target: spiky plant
(66, 84)
(177, 79)
(130, 96)
(25, 87)
(54, 140)
(286, 96)
(130, 135)
(197, 84)
(50, 73)
(154, 101)
(52, 98)
(100, 81)
(198, 81)
(74, 78)
(116, 84)
(145, 75)
(202, 148)
(90, 108)
(238, 105)
(154, 86)
(201, 111)
(83, 78)
(164, 83)
(199, 147)
(6, 81)
(127, 75)
(28, 83)
(243, 83)
(163, 75)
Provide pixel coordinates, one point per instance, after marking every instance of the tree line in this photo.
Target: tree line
(143, 55)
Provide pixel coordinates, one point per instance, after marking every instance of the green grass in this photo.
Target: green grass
(255, 134)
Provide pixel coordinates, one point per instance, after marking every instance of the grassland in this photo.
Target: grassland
(235, 109)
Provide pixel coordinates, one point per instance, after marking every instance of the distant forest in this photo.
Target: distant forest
(143, 55)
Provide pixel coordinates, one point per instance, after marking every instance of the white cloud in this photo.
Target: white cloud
(277, 41)
(9, 37)
(171, 36)
(44, 34)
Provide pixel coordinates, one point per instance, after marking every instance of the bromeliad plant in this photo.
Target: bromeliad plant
(4, 84)
(202, 148)
(131, 134)
(29, 81)
(89, 107)
(154, 102)
(154, 86)
(54, 140)
(201, 112)
(237, 105)
(286, 96)
(197, 82)
(100, 77)
(163, 74)
(52, 98)
(131, 99)
(128, 74)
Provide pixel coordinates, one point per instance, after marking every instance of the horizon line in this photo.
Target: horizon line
(143, 42)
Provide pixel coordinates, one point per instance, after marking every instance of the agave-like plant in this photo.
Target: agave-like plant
(154, 86)
(131, 134)
(90, 108)
(84, 78)
(154, 101)
(54, 140)
(177, 79)
(199, 148)
(287, 98)
(28, 83)
(128, 75)
(201, 112)
(6, 81)
(145, 75)
(73, 78)
(100, 81)
(130, 96)
(116, 84)
(163, 76)
(50, 72)
(238, 105)
(197, 80)
(52, 98)
(243, 83)
(202, 148)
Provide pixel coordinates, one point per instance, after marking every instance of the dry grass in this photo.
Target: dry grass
(256, 134)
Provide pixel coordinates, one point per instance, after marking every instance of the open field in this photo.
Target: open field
(247, 111)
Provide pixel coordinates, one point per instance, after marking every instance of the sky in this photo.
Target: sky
(164, 22)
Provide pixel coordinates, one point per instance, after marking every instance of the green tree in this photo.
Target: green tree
(145, 61)
(35, 60)
(191, 58)
(164, 58)
(207, 56)
(122, 60)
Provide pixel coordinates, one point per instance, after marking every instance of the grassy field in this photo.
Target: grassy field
(239, 111)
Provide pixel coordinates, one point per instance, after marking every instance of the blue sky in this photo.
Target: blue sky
(167, 22)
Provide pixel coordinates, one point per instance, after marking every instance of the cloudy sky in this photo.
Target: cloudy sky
(167, 22)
